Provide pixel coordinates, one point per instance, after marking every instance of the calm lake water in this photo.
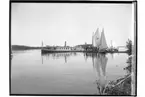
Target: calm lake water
(64, 73)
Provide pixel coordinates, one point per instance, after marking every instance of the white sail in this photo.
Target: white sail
(96, 38)
(93, 39)
(103, 44)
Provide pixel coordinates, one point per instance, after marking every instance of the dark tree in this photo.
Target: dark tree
(129, 46)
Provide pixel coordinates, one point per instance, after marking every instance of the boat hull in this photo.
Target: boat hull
(60, 51)
(57, 51)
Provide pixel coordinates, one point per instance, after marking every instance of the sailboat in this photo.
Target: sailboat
(99, 42)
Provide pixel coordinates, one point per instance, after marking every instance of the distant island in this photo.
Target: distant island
(23, 47)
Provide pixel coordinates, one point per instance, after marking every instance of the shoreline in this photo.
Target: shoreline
(58, 51)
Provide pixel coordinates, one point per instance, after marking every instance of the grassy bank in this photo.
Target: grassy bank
(121, 86)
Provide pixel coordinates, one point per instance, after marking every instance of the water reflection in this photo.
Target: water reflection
(75, 76)
(99, 62)
(59, 55)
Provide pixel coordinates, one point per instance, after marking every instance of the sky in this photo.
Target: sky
(55, 23)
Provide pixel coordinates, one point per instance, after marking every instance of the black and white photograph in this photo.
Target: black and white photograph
(73, 48)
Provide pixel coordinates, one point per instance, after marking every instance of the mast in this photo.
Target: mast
(93, 39)
(111, 44)
(42, 45)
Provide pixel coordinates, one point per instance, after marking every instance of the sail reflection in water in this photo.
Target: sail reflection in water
(99, 64)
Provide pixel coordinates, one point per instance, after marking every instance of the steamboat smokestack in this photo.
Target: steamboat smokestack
(65, 44)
